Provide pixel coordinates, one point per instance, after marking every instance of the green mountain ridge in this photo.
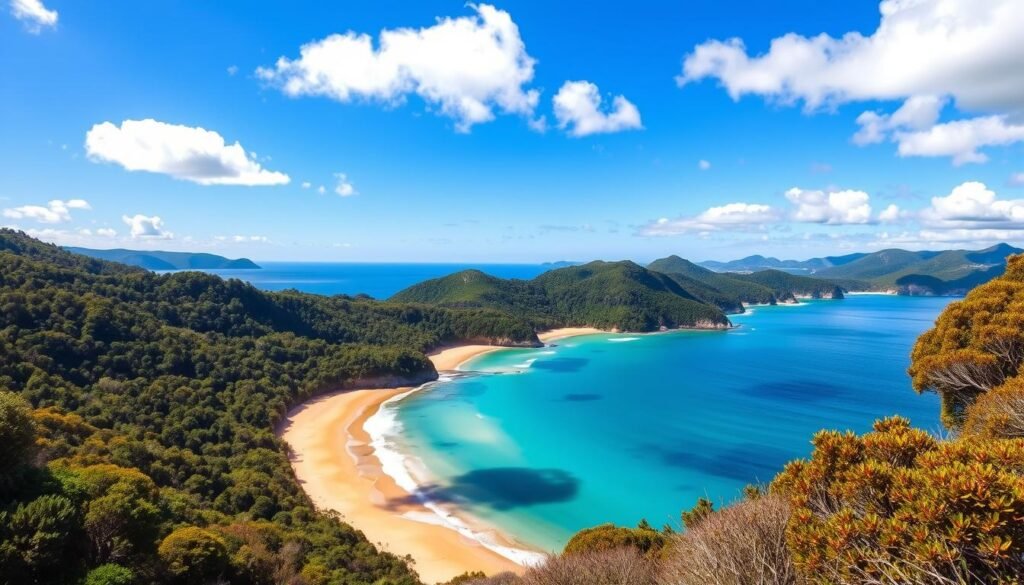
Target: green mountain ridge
(925, 272)
(607, 295)
(159, 260)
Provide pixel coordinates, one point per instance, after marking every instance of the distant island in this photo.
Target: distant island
(946, 272)
(158, 260)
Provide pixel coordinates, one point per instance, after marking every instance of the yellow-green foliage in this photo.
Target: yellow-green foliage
(976, 344)
(899, 506)
(193, 555)
(998, 413)
(643, 538)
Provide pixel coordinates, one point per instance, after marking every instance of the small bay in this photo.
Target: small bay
(617, 428)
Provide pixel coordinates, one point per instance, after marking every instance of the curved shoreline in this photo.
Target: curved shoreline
(337, 466)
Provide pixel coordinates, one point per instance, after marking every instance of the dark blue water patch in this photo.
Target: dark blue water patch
(747, 462)
(796, 391)
(561, 365)
(582, 397)
(501, 488)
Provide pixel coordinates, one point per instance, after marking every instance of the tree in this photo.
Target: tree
(17, 432)
(38, 541)
(976, 345)
(192, 555)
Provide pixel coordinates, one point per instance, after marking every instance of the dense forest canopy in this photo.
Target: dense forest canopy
(153, 400)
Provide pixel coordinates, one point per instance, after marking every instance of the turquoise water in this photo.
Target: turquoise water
(615, 428)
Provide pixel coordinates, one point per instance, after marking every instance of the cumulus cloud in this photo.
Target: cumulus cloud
(830, 207)
(732, 216)
(183, 152)
(33, 15)
(578, 110)
(1017, 180)
(106, 232)
(146, 227)
(468, 67)
(972, 205)
(917, 113)
(960, 139)
(55, 211)
(968, 50)
(890, 214)
(703, 165)
(923, 52)
(344, 187)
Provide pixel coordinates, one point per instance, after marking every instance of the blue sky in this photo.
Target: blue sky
(477, 137)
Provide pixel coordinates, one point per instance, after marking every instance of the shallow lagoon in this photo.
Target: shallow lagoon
(615, 428)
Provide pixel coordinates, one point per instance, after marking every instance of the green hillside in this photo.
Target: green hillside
(473, 288)
(155, 401)
(788, 286)
(925, 272)
(608, 295)
(625, 296)
(157, 260)
(721, 288)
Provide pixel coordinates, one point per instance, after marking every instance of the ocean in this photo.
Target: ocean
(617, 428)
(380, 281)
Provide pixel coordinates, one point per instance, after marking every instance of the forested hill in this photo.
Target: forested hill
(607, 295)
(157, 260)
(155, 399)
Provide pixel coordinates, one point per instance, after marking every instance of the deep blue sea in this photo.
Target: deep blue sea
(380, 281)
(616, 428)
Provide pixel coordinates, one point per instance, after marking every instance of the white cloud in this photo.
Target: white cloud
(344, 188)
(243, 239)
(960, 139)
(890, 214)
(321, 190)
(972, 205)
(970, 50)
(1017, 180)
(146, 227)
(106, 232)
(191, 154)
(232, 70)
(578, 109)
(742, 216)
(55, 211)
(467, 66)
(306, 184)
(830, 207)
(703, 165)
(917, 113)
(33, 14)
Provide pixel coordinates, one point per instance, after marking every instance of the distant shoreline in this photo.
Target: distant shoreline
(338, 467)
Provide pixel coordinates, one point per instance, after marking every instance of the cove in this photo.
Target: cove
(617, 428)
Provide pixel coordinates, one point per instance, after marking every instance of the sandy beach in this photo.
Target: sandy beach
(336, 466)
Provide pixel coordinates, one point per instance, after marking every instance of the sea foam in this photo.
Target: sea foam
(410, 474)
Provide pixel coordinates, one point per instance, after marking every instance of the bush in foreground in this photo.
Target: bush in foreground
(743, 544)
(899, 506)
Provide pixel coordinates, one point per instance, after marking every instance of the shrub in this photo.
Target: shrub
(193, 555)
(743, 544)
(998, 413)
(623, 566)
(898, 506)
(976, 344)
(643, 538)
(110, 574)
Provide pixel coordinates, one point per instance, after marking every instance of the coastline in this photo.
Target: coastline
(336, 462)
